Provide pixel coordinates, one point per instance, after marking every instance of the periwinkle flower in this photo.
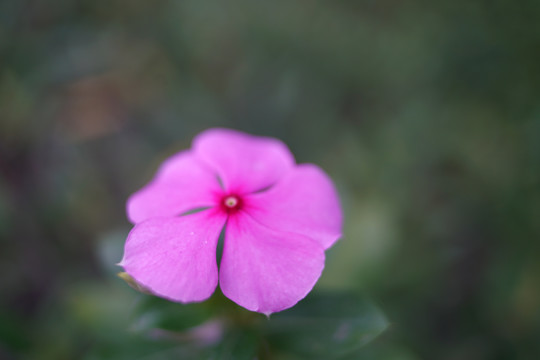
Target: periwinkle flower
(279, 218)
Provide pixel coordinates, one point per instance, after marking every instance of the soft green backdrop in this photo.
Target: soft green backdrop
(425, 113)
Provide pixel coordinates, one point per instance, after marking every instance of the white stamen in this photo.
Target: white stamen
(231, 201)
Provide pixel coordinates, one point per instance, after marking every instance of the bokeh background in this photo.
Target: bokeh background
(425, 113)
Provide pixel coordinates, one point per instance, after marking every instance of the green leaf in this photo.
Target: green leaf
(238, 344)
(214, 329)
(324, 326)
(156, 313)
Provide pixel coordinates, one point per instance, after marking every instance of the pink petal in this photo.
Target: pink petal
(244, 162)
(175, 257)
(181, 184)
(265, 270)
(304, 202)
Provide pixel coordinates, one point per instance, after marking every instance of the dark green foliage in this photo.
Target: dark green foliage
(426, 114)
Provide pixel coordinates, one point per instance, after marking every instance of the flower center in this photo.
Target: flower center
(231, 203)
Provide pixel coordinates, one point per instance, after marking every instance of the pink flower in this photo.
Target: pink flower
(279, 218)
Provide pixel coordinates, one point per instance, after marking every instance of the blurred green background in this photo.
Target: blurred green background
(426, 115)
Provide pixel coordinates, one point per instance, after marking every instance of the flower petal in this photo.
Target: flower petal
(181, 184)
(245, 163)
(265, 270)
(175, 257)
(304, 201)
